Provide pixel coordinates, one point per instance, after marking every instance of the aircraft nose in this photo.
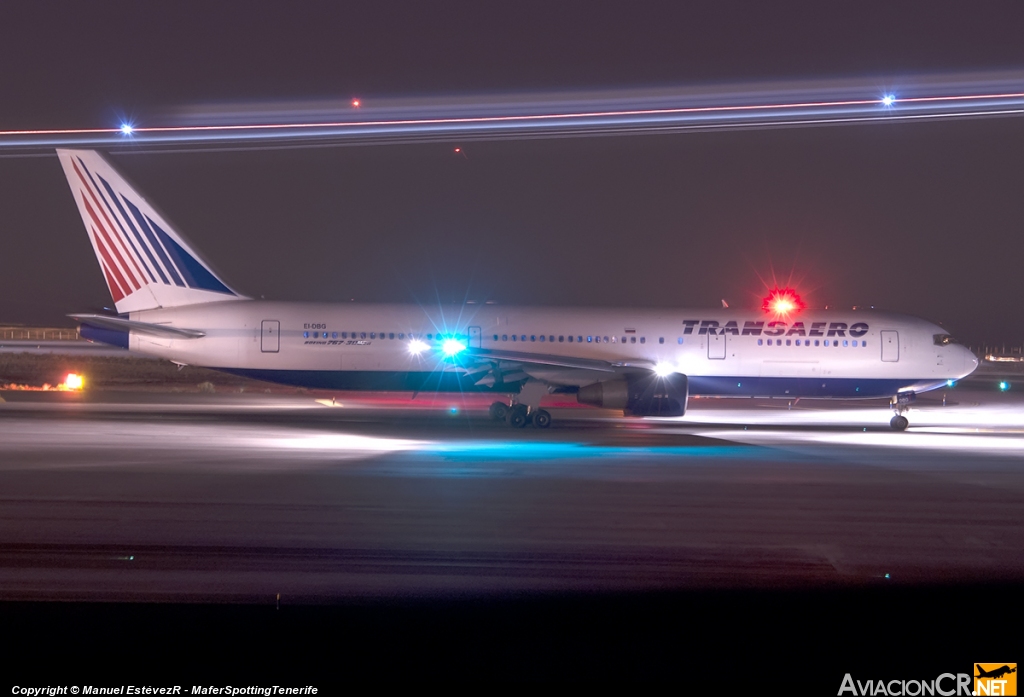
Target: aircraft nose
(970, 360)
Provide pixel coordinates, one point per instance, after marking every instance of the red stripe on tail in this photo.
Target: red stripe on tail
(110, 228)
(111, 269)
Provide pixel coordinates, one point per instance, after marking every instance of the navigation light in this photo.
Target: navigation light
(663, 369)
(782, 301)
(452, 347)
(1004, 386)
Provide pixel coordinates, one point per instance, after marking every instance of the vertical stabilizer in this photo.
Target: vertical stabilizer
(145, 262)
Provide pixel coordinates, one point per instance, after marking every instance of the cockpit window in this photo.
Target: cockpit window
(944, 340)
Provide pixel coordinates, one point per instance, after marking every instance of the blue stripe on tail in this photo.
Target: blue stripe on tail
(195, 274)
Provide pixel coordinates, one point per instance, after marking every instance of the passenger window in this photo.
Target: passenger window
(495, 337)
(789, 342)
(344, 335)
(643, 340)
(402, 336)
(863, 344)
(579, 339)
(661, 340)
(522, 337)
(305, 335)
(606, 340)
(632, 339)
(551, 337)
(854, 343)
(561, 338)
(504, 337)
(597, 340)
(816, 342)
(798, 342)
(334, 335)
(760, 341)
(542, 337)
(589, 339)
(769, 342)
(826, 342)
(845, 343)
(679, 340)
(570, 338)
(623, 339)
(513, 337)
(533, 337)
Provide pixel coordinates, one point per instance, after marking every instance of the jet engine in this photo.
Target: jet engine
(639, 395)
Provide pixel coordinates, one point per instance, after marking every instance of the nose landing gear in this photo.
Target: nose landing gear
(900, 403)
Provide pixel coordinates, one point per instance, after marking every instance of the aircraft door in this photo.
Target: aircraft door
(270, 340)
(890, 346)
(474, 337)
(716, 346)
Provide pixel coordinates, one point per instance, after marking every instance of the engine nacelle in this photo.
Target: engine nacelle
(647, 395)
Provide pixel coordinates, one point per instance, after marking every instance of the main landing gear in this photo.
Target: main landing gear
(900, 403)
(519, 415)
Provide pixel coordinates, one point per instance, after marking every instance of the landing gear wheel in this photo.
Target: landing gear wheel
(541, 418)
(499, 411)
(899, 423)
(518, 417)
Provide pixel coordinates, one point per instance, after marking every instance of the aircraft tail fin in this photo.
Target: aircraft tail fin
(145, 262)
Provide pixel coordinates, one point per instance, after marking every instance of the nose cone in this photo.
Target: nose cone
(970, 360)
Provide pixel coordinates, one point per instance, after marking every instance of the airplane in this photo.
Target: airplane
(170, 304)
(995, 672)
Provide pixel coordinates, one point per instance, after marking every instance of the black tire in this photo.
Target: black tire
(499, 411)
(899, 423)
(541, 418)
(518, 416)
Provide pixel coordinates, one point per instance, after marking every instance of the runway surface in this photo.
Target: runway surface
(183, 497)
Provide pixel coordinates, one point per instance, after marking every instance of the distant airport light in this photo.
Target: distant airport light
(664, 369)
(356, 103)
(782, 301)
(888, 100)
(74, 381)
(452, 347)
(416, 347)
(126, 129)
(1004, 386)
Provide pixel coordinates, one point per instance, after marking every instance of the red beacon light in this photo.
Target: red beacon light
(783, 301)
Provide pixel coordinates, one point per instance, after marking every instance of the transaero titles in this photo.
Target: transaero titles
(775, 328)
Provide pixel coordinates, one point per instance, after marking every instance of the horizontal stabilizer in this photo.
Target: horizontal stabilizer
(127, 325)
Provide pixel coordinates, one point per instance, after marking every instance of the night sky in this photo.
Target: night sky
(921, 218)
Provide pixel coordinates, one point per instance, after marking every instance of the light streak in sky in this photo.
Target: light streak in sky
(551, 116)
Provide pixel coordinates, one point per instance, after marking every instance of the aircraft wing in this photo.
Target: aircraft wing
(556, 361)
(126, 325)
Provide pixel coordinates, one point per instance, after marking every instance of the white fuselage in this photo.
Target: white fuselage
(722, 352)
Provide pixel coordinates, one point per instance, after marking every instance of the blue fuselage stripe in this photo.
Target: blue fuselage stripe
(711, 386)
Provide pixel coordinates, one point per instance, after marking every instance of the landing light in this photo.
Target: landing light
(416, 347)
(950, 383)
(452, 347)
(888, 100)
(126, 129)
(74, 381)
(664, 370)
